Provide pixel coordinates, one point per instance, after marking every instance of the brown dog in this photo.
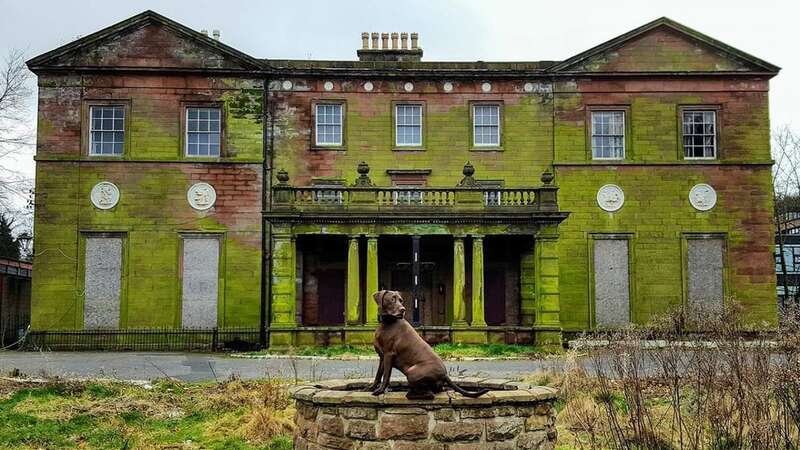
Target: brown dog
(399, 346)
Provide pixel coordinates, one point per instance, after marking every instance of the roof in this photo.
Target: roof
(745, 63)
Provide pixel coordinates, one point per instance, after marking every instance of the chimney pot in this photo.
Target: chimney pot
(365, 40)
(375, 41)
(414, 39)
(394, 41)
(384, 41)
(404, 40)
(204, 32)
(215, 33)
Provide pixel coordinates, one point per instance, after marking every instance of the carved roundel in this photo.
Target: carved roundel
(703, 197)
(201, 196)
(448, 86)
(486, 87)
(104, 195)
(610, 197)
(368, 86)
(528, 87)
(287, 85)
(409, 86)
(328, 85)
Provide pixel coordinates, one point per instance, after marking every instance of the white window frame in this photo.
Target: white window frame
(397, 124)
(317, 124)
(187, 132)
(475, 125)
(592, 134)
(684, 134)
(92, 130)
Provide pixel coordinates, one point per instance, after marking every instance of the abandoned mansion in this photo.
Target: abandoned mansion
(183, 184)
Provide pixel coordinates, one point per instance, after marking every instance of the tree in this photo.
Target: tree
(786, 190)
(9, 247)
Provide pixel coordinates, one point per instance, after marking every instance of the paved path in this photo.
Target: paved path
(207, 367)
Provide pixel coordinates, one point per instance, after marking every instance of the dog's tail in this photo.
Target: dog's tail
(463, 391)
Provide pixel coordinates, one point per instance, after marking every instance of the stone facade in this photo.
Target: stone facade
(512, 416)
(508, 242)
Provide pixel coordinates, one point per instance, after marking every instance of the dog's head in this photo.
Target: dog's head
(390, 303)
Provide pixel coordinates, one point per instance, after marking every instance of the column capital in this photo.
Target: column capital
(371, 235)
(477, 236)
(459, 236)
(354, 236)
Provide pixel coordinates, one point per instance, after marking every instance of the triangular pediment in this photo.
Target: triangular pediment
(146, 41)
(664, 46)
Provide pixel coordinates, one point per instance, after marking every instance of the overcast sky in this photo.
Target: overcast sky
(449, 29)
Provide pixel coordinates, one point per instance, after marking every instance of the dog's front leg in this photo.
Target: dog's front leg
(378, 375)
(387, 373)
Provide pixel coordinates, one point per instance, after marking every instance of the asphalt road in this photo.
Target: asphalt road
(208, 367)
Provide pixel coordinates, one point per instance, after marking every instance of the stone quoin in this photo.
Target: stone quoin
(508, 201)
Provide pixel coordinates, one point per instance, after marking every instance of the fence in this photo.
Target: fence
(216, 339)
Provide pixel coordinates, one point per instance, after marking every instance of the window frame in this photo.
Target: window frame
(422, 117)
(716, 109)
(86, 126)
(726, 265)
(323, 146)
(184, 144)
(627, 141)
(592, 134)
(500, 124)
(631, 238)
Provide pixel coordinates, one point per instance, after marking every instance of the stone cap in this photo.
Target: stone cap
(350, 392)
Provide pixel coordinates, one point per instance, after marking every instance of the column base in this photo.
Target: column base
(468, 336)
(548, 338)
(281, 338)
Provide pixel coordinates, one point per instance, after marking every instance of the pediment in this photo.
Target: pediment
(146, 41)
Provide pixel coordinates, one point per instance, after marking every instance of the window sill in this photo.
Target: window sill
(498, 148)
(332, 148)
(408, 149)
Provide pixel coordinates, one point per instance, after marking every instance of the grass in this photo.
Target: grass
(107, 415)
(446, 351)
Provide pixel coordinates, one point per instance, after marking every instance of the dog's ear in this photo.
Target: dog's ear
(378, 297)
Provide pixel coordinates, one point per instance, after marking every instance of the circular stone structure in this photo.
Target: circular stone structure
(340, 414)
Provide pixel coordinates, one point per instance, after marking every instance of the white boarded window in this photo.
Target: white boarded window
(203, 130)
(700, 134)
(107, 130)
(486, 125)
(102, 282)
(200, 281)
(705, 284)
(408, 125)
(608, 134)
(611, 283)
(329, 123)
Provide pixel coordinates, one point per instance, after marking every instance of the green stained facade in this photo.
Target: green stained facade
(508, 202)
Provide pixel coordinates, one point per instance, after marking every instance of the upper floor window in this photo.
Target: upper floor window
(329, 123)
(608, 134)
(700, 134)
(408, 123)
(486, 125)
(203, 130)
(107, 130)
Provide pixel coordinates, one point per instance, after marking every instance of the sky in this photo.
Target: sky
(449, 30)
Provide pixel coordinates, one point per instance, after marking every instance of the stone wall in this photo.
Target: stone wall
(335, 415)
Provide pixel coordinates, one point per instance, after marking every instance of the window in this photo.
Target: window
(107, 130)
(329, 123)
(705, 266)
(102, 281)
(203, 127)
(200, 281)
(608, 134)
(408, 125)
(699, 134)
(486, 125)
(611, 282)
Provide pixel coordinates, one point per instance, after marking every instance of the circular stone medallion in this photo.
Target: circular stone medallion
(486, 87)
(610, 197)
(201, 196)
(328, 86)
(448, 86)
(702, 197)
(528, 87)
(368, 86)
(408, 87)
(104, 195)
(287, 85)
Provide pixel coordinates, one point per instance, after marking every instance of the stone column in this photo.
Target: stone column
(477, 282)
(353, 294)
(459, 283)
(283, 304)
(547, 323)
(372, 280)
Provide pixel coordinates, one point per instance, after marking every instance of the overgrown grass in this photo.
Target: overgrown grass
(106, 415)
(446, 351)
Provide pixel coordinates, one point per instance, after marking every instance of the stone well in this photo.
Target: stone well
(337, 415)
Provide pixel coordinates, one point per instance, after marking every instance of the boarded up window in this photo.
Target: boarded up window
(200, 282)
(704, 270)
(102, 282)
(611, 285)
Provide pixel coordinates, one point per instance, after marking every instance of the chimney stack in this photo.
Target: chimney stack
(374, 50)
(204, 32)
(215, 33)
